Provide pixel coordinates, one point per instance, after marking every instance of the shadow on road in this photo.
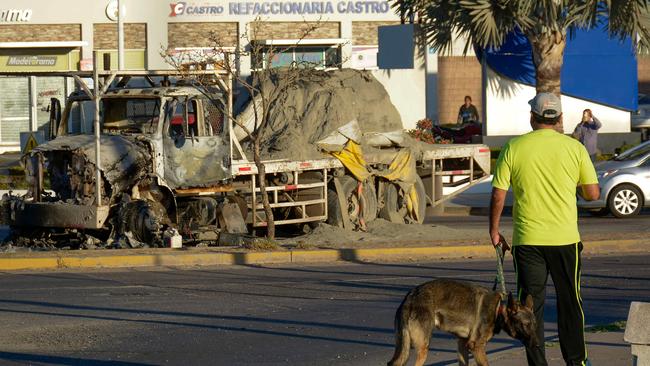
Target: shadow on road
(247, 319)
(60, 360)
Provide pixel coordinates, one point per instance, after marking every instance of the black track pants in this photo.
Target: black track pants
(533, 263)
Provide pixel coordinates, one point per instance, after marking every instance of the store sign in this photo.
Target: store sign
(15, 15)
(280, 8)
(31, 61)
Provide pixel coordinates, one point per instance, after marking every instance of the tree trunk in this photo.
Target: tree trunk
(548, 56)
(261, 177)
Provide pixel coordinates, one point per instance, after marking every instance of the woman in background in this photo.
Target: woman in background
(587, 133)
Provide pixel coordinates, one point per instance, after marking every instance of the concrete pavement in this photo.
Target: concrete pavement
(270, 315)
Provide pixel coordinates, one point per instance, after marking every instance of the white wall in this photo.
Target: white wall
(403, 70)
(407, 91)
(508, 112)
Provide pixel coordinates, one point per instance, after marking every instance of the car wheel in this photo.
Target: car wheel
(625, 201)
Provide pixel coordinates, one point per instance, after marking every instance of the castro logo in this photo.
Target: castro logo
(177, 9)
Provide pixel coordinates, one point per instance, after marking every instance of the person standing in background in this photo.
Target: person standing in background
(467, 112)
(587, 133)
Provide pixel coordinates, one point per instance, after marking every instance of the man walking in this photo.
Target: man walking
(544, 168)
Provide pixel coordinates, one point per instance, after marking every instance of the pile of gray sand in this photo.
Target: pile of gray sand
(318, 103)
(383, 233)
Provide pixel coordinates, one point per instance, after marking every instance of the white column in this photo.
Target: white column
(33, 112)
(243, 63)
(87, 36)
(346, 49)
(156, 42)
(121, 7)
(431, 60)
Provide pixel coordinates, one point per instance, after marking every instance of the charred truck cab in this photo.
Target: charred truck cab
(165, 162)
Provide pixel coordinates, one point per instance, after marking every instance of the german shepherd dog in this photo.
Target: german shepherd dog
(470, 312)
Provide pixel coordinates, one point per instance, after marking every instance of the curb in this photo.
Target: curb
(167, 257)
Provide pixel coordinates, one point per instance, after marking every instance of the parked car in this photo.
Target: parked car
(641, 118)
(624, 183)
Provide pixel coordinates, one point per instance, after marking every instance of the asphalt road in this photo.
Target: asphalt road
(587, 224)
(298, 315)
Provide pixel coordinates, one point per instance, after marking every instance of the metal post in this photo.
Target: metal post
(471, 168)
(229, 109)
(96, 97)
(37, 163)
(120, 35)
(436, 189)
(33, 105)
(439, 185)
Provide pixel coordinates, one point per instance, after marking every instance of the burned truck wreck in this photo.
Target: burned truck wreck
(130, 165)
(164, 159)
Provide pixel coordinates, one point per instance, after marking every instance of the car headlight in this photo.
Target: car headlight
(606, 173)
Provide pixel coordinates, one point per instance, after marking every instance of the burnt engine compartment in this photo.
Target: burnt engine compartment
(72, 178)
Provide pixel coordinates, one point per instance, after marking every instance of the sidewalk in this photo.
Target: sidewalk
(607, 348)
(127, 258)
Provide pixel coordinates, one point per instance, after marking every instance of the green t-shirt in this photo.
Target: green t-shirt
(544, 167)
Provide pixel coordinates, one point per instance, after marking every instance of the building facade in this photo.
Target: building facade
(63, 35)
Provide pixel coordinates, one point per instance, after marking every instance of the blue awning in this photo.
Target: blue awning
(596, 68)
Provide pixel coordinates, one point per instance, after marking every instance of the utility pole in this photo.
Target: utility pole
(96, 96)
(120, 34)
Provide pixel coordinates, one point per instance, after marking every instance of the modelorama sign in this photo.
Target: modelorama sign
(31, 61)
(280, 7)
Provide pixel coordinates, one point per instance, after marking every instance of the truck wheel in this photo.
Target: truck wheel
(625, 201)
(394, 209)
(422, 200)
(367, 202)
(145, 219)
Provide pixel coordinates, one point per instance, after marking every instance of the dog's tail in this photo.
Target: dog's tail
(402, 336)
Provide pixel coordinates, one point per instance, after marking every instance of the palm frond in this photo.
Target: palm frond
(486, 23)
(630, 18)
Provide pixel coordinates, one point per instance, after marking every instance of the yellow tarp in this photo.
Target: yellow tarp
(401, 170)
(352, 158)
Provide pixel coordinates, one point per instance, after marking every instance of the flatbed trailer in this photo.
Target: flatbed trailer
(460, 165)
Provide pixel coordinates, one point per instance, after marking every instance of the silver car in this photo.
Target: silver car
(624, 183)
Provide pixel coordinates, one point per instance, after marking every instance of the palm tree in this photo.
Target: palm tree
(546, 23)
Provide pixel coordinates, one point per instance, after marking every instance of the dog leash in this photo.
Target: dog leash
(499, 280)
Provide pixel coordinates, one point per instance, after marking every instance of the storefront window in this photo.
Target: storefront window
(310, 57)
(313, 56)
(280, 59)
(46, 89)
(14, 108)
